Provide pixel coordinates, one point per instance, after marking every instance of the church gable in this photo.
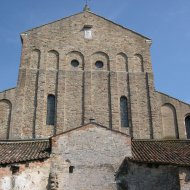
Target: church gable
(90, 16)
(77, 29)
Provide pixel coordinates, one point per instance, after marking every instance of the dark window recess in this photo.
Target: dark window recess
(187, 125)
(14, 169)
(74, 63)
(124, 112)
(50, 110)
(71, 168)
(99, 64)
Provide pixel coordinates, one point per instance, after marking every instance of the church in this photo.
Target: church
(85, 114)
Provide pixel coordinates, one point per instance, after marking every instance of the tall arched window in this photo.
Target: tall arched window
(124, 112)
(187, 125)
(50, 110)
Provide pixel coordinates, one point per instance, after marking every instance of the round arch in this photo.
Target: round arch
(5, 118)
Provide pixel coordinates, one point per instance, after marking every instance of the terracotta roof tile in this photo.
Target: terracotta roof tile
(20, 151)
(174, 152)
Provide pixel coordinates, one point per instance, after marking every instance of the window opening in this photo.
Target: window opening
(75, 63)
(99, 64)
(124, 112)
(50, 110)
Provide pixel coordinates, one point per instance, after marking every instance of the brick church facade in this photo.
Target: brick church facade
(85, 113)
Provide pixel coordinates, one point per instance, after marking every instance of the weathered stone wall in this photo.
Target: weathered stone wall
(172, 116)
(33, 176)
(88, 158)
(85, 91)
(184, 176)
(148, 177)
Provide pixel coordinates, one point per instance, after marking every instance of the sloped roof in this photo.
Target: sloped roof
(90, 125)
(173, 152)
(164, 152)
(89, 12)
(21, 151)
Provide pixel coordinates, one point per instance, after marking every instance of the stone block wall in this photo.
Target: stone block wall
(88, 158)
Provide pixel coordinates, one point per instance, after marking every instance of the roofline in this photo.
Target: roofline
(93, 14)
(23, 161)
(173, 98)
(50, 23)
(8, 89)
(24, 140)
(160, 140)
(93, 123)
(121, 26)
(155, 162)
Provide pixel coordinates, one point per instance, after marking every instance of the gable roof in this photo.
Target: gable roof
(22, 151)
(172, 152)
(89, 12)
(90, 125)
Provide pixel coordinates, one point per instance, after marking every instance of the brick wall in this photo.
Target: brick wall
(85, 91)
(33, 176)
(7, 103)
(88, 158)
(172, 113)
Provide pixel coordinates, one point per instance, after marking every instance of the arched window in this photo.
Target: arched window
(50, 110)
(187, 125)
(124, 112)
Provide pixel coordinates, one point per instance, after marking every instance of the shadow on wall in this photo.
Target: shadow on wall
(120, 177)
(52, 182)
(187, 177)
(122, 184)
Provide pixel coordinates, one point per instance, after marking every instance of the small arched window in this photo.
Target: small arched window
(187, 125)
(50, 120)
(124, 112)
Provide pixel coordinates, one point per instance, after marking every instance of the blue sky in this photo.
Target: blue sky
(166, 22)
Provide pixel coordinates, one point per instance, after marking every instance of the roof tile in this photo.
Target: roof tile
(20, 151)
(174, 152)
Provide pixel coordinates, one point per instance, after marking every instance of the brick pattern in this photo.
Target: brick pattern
(94, 152)
(86, 92)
